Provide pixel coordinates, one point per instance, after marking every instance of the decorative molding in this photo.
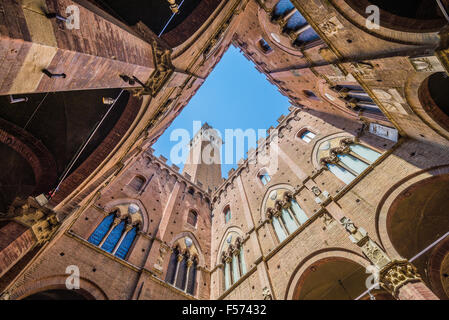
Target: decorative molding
(162, 73)
(397, 274)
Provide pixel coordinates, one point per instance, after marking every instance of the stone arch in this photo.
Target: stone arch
(285, 186)
(354, 12)
(306, 267)
(391, 195)
(32, 152)
(187, 28)
(229, 230)
(188, 234)
(318, 142)
(435, 264)
(112, 205)
(422, 105)
(405, 15)
(89, 289)
(434, 98)
(405, 233)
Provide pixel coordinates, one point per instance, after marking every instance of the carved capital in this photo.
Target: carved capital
(266, 292)
(41, 220)
(396, 274)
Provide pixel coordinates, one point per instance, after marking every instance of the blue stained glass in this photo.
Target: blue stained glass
(342, 174)
(365, 152)
(114, 237)
(126, 243)
(307, 36)
(102, 229)
(296, 21)
(283, 7)
(353, 163)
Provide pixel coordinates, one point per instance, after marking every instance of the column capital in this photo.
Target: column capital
(396, 274)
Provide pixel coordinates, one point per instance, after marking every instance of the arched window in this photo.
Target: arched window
(306, 135)
(293, 24)
(311, 95)
(284, 213)
(357, 99)
(191, 191)
(264, 177)
(137, 183)
(349, 160)
(183, 266)
(102, 229)
(192, 218)
(117, 235)
(233, 259)
(264, 46)
(227, 214)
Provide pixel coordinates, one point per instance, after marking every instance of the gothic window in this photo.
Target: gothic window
(293, 24)
(264, 177)
(192, 218)
(233, 259)
(115, 234)
(102, 229)
(191, 191)
(183, 266)
(357, 99)
(264, 46)
(285, 213)
(306, 135)
(137, 183)
(347, 159)
(227, 214)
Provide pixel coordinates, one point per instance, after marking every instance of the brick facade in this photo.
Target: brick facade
(348, 226)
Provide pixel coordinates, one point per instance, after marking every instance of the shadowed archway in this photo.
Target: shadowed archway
(417, 218)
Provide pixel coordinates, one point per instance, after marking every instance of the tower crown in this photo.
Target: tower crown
(204, 160)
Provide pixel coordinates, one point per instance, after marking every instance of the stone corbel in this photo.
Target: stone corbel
(163, 72)
(32, 213)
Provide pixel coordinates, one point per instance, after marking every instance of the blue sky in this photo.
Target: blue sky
(235, 95)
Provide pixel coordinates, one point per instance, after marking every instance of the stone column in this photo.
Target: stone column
(403, 281)
(127, 229)
(189, 265)
(178, 261)
(114, 224)
(398, 277)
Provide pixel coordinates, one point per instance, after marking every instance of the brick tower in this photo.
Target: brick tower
(204, 161)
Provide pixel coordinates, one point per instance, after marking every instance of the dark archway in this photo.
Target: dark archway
(416, 219)
(47, 130)
(405, 15)
(434, 97)
(155, 15)
(58, 294)
(332, 279)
